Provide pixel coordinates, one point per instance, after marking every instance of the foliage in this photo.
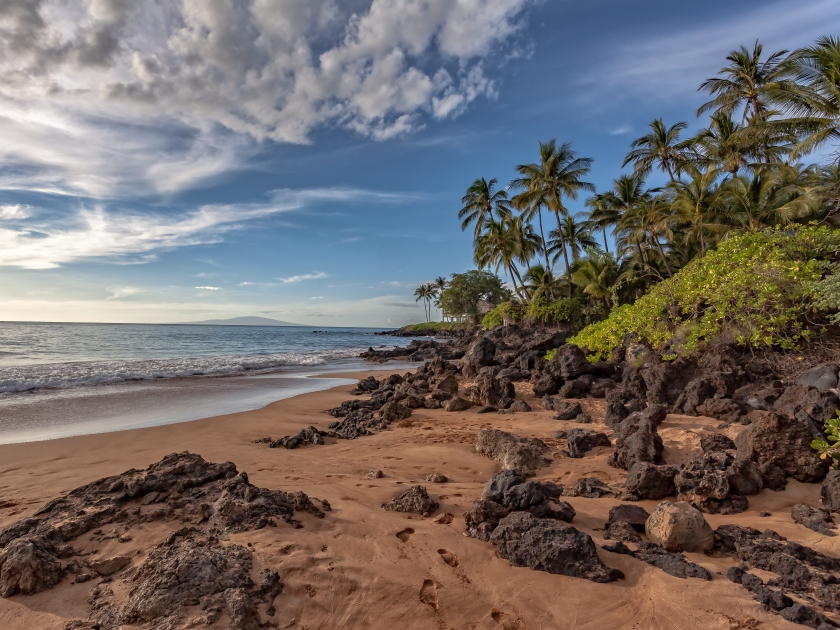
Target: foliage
(827, 292)
(549, 356)
(755, 288)
(554, 312)
(829, 448)
(466, 290)
(510, 311)
(433, 327)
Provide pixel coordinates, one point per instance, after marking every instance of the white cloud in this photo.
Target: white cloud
(123, 292)
(209, 288)
(105, 97)
(17, 211)
(317, 297)
(621, 130)
(128, 237)
(302, 277)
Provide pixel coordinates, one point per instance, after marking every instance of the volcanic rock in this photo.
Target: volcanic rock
(513, 452)
(415, 500)
(679, 527)
(648, 481)
(581, 441)
(813, 518)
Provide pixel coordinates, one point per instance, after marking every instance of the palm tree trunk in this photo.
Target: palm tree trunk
(514, 271)
(606, 247)
(542, 236)
(665, 260)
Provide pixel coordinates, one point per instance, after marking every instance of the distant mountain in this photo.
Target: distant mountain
(242, 321)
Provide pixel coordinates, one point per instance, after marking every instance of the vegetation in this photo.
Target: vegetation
(464, 292)
(829, 448)
(755, 288)
(434, 327)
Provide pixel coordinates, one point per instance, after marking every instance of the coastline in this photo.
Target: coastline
(350, 569)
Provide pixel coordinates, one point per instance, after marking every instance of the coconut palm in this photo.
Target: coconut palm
(597, 275)
(773, 197)
(723, 145)
(558, 174)
(482, 202)
(502, 243)
(424, 292)
(576, 236)
(627, 192)
(540, 283)
(661, 148)
(602, 215)
(657, 216)
(749, 82)
(697, 203)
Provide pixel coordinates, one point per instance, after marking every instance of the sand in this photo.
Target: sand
(352, 569)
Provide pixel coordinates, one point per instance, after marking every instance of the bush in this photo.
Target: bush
(754, 289)
(512, 311)
(827, 293)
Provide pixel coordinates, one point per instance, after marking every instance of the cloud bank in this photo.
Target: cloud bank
(110, 97)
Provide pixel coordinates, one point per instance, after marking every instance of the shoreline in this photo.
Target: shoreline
(350, 569)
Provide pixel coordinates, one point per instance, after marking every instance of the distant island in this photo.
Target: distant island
(241, 321)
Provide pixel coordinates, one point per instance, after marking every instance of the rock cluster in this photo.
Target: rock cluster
(513, 452)
(191, 567)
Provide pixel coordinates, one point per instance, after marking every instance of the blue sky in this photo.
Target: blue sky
(304, 159)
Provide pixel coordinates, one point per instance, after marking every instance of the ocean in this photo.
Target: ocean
(60, 379)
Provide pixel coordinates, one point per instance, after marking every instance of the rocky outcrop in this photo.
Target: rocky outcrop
(717, 482)
(457, 404)
(807, 404)
(30, 564)
(513, 452)
(550, 546)
(772, 438)
(581, 441)
(565, 410)
(813, 518)
(309, 435)
(637, 439)
(821, 377)
(414, 500)
(482, 352)
(679, 527)
(671, 563)
(649, 481)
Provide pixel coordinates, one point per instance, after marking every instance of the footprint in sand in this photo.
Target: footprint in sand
(405, 534)
(428, 593)
(449, 558)
(506, 622)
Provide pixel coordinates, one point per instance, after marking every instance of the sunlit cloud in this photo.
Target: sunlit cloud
(304, 277)
(209, 288)
(16, 211)
(317, 297)
(123, 292)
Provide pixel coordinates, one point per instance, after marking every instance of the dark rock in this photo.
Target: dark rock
(513, 452)
(576, 388)
(830, 491)
(600, 387)
(813, 518)
(632, 514)
(638, 440)
(664, 382)
(481, 352)
(623, 531)
(716, 482)
(548, 545)
(366, 385)
(822, 377)
(648, 481)
(707, 384)
(581, 441)
(447, 385)
(457, 404)
(590, 488)
(716, 442)
(723, 409)
(546, 385)
(309, 435)
(488, 409)
(582, 418)
(618, 547)
(744, 477)
(616, 413)
(394, 412)
(483, 517)
(499, 484)
(432, 403)
(757, 397)
(773, 477)
(808, 405)
(776, 439)
(806, 616)
(565, 410)
(671, 563)
(520, 406)
(570, 362)
(415, 500)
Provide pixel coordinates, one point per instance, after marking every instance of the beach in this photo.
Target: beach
(352, 570)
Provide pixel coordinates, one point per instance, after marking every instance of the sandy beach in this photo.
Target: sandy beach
(352, 570)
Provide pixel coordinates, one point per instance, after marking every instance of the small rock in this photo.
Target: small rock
(110, 566)
(813, 518)
(415, 500)
(764, 514)
(649, 481)
(622, 531)
(437, 478)
(581, 441)
(488, 409)
(457, 404)
(634, 515)
(590, 488)
(582, 418)
(716, 442)
(679, 527)
(520, 406)
(567, 410)
(513, 452)
(375, 474)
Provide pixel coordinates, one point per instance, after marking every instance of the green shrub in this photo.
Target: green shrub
(827, 293)
(512, 311)
(754, 289)
(556, 312)
(829, 448)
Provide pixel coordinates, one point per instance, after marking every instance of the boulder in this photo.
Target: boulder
(649, 481)
(813, 518)
(777, 439)
(717, 482)
(500, 483)
(28, 565)
(415, 500)
(808, 405)
(773, 477)
(723, 409)
(665, 381)
(481, 352)
(551, 546)
(716, 442)
(576, 388)
(309, 435)
(822, 377)
(638, 440)
(615, 415)
(457, 404)
(633, 515)
(831, 491)
(757, 397)
(622, 531)
(546, 385)
(679, 527)
(600, 387)
(483, 517)
(511, 451)
(447, 385)
(520, 406)
(590, 488)
(581, 441)
(570, 362)
(565, 410)
(394, 412)
(109, 566)
(671, 563)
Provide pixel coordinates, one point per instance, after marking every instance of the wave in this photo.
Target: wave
(79, 374)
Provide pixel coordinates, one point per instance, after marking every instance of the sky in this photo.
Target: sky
(304, 160)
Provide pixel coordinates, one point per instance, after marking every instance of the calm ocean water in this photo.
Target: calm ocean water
(69, 379)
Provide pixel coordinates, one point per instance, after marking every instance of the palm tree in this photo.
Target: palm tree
(660, 148)
(774, 197)
(482, 202)
(423, 292)
(722, 145)
(597, 274)
(818, 70)
(697, 203)
(628, 191)
(502, 243)
(602, 215)
(657, 216)
(558, 174)
(539, 282)
(576, 236)
(749, 82)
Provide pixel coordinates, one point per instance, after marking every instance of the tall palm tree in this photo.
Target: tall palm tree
(602, 215)
(818, 70)
(597, 274)
(770, 198)
(576, 236)
(723, 145)
(558, 174)
(657, 216)
(423, 292)
(502, 243)
(661, 148)
(482, 202)
(749, 82)
(697, 204)
(627, 192)
(540, 282)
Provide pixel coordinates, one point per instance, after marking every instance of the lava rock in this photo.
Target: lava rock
(716, 442)
(566, 410)
(638, 440)
(437, 478)
(520, 406)
(723, 409)
(649, 481)
(633, 515)
(679, 527)
(813, 518)
(671, 563)
(513, 452)
(830, 491)
(309, 435)
(29, 564)
(590, 488)
(483, 517)
(414, 500)
(500, 483)
(822, 377)
(570, 361)
(622, 531)
(581, 441)
(457, 404)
